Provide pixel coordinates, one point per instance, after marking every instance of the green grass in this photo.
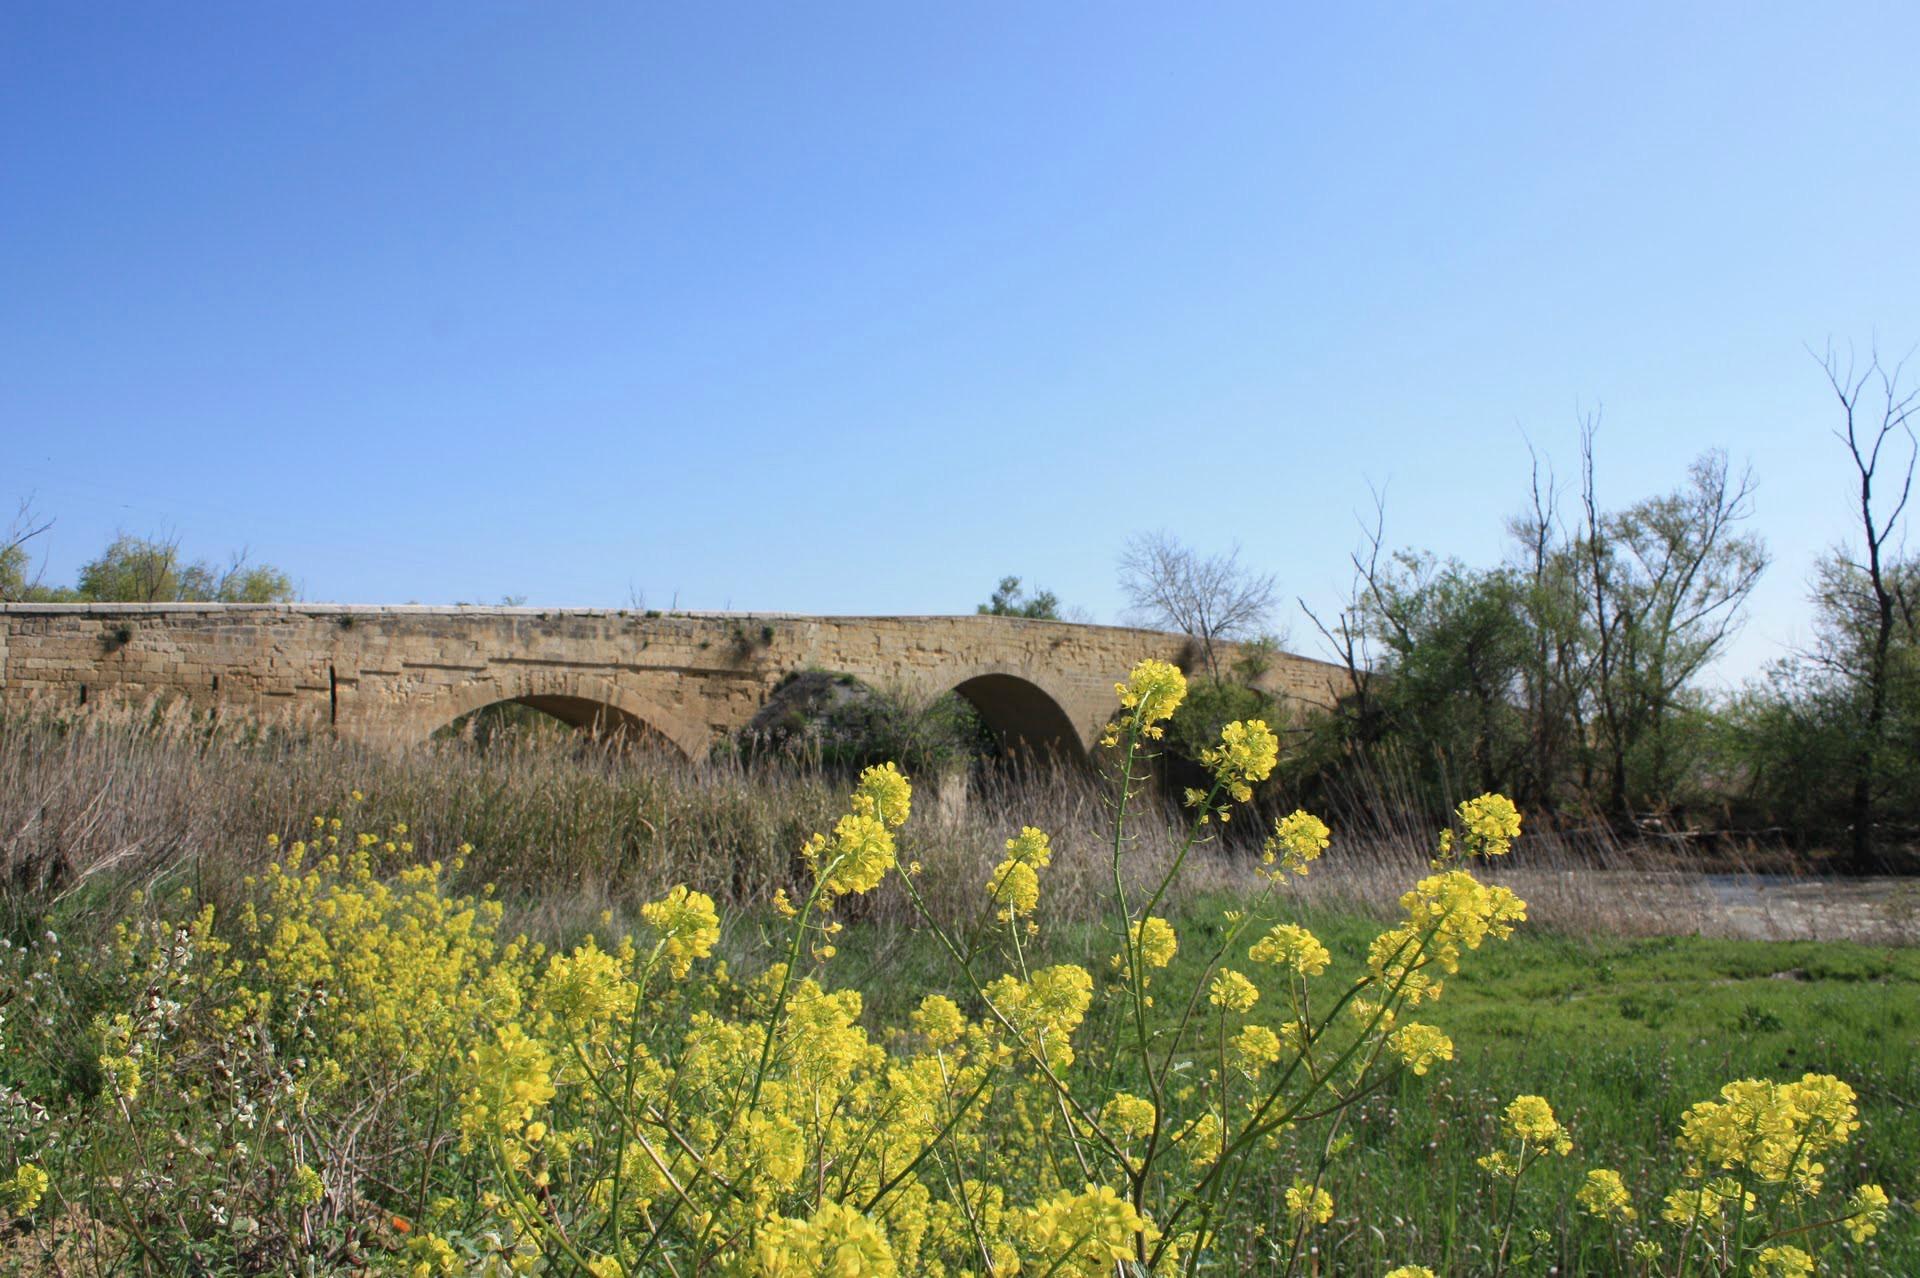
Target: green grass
(1621, 1035)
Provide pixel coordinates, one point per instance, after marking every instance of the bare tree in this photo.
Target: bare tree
(1876, 410)
(1554, 679)
(1206, 597)
(27, 524)
(1348, 635)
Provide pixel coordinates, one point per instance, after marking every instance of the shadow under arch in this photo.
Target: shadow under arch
(595, 720)
(1025, 719)
(600, 712)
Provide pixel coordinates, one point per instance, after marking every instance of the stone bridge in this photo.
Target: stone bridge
(399, 673)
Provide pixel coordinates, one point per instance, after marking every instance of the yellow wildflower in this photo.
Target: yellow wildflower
(1530, 1119)
(1705, 1205)
(1254, 1048)
(1868, 1208)
(938, 1018)
(855, 857)
(1289, 945)
(1297, 841)
(1232, 991)
(1082, 1234)
(1420, 1047)
(1604, 1195)
(688, 926)
(1045, 1011)
(1307, 1205)
(305, 1188)
(1776, 1130)
(1031, 847)
(1152, 692)
(1129, 1115)
(509, 1078)
(429, 1255)
(883, 791)
(836, 1240)
(1155, 940)
(1783, 1262)
(1246, 755)
(21, 1192)
(1492, 824)
(1014, 888)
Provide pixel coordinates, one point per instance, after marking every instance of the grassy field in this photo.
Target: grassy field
(1620, 1034)
(1621, 1031)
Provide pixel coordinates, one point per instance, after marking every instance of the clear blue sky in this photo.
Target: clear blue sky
(854, 308)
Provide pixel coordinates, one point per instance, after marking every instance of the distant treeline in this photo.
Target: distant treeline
(1569, 674)
(137, 570)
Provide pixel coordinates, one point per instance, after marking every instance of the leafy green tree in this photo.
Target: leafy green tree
(1555, 674)
(1456, 643)
(1210, 705)
(1010, 599)
(1802, 740)
(1567, 674)
(14, 561)
(13, 572)
(151, 570)
(1664, 582)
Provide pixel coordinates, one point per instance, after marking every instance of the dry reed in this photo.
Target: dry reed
(568, 830)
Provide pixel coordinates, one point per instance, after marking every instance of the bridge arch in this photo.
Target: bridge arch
(587, 703)
(1027, 719)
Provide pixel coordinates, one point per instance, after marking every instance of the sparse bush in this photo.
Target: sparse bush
(836, 722)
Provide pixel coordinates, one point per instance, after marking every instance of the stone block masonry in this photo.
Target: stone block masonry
(398, 673)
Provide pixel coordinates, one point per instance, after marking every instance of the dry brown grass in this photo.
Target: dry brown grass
(568, 830)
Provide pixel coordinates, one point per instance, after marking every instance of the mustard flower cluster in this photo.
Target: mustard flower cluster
(1491, 823)
(1604, 1194)
(1014, 888)
(835, 1240)
(1083, 1233)
(688, 926)
(1867, 1210)
(1297, 841)
(1152, 692)
(1291, 946)
(1308, 1204)
(1447, 914)
(1129, 1116)
(860, 850)
(1530, 1120)
(1420, 1047)
(1245, 756)
(1232, 992)
(1154, 940)
(21, 1192)
(1776, 1132)
(1783, 1262)
(1529, 1123)
(1042, 1012)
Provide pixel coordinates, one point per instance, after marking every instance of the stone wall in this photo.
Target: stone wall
(398, 673)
